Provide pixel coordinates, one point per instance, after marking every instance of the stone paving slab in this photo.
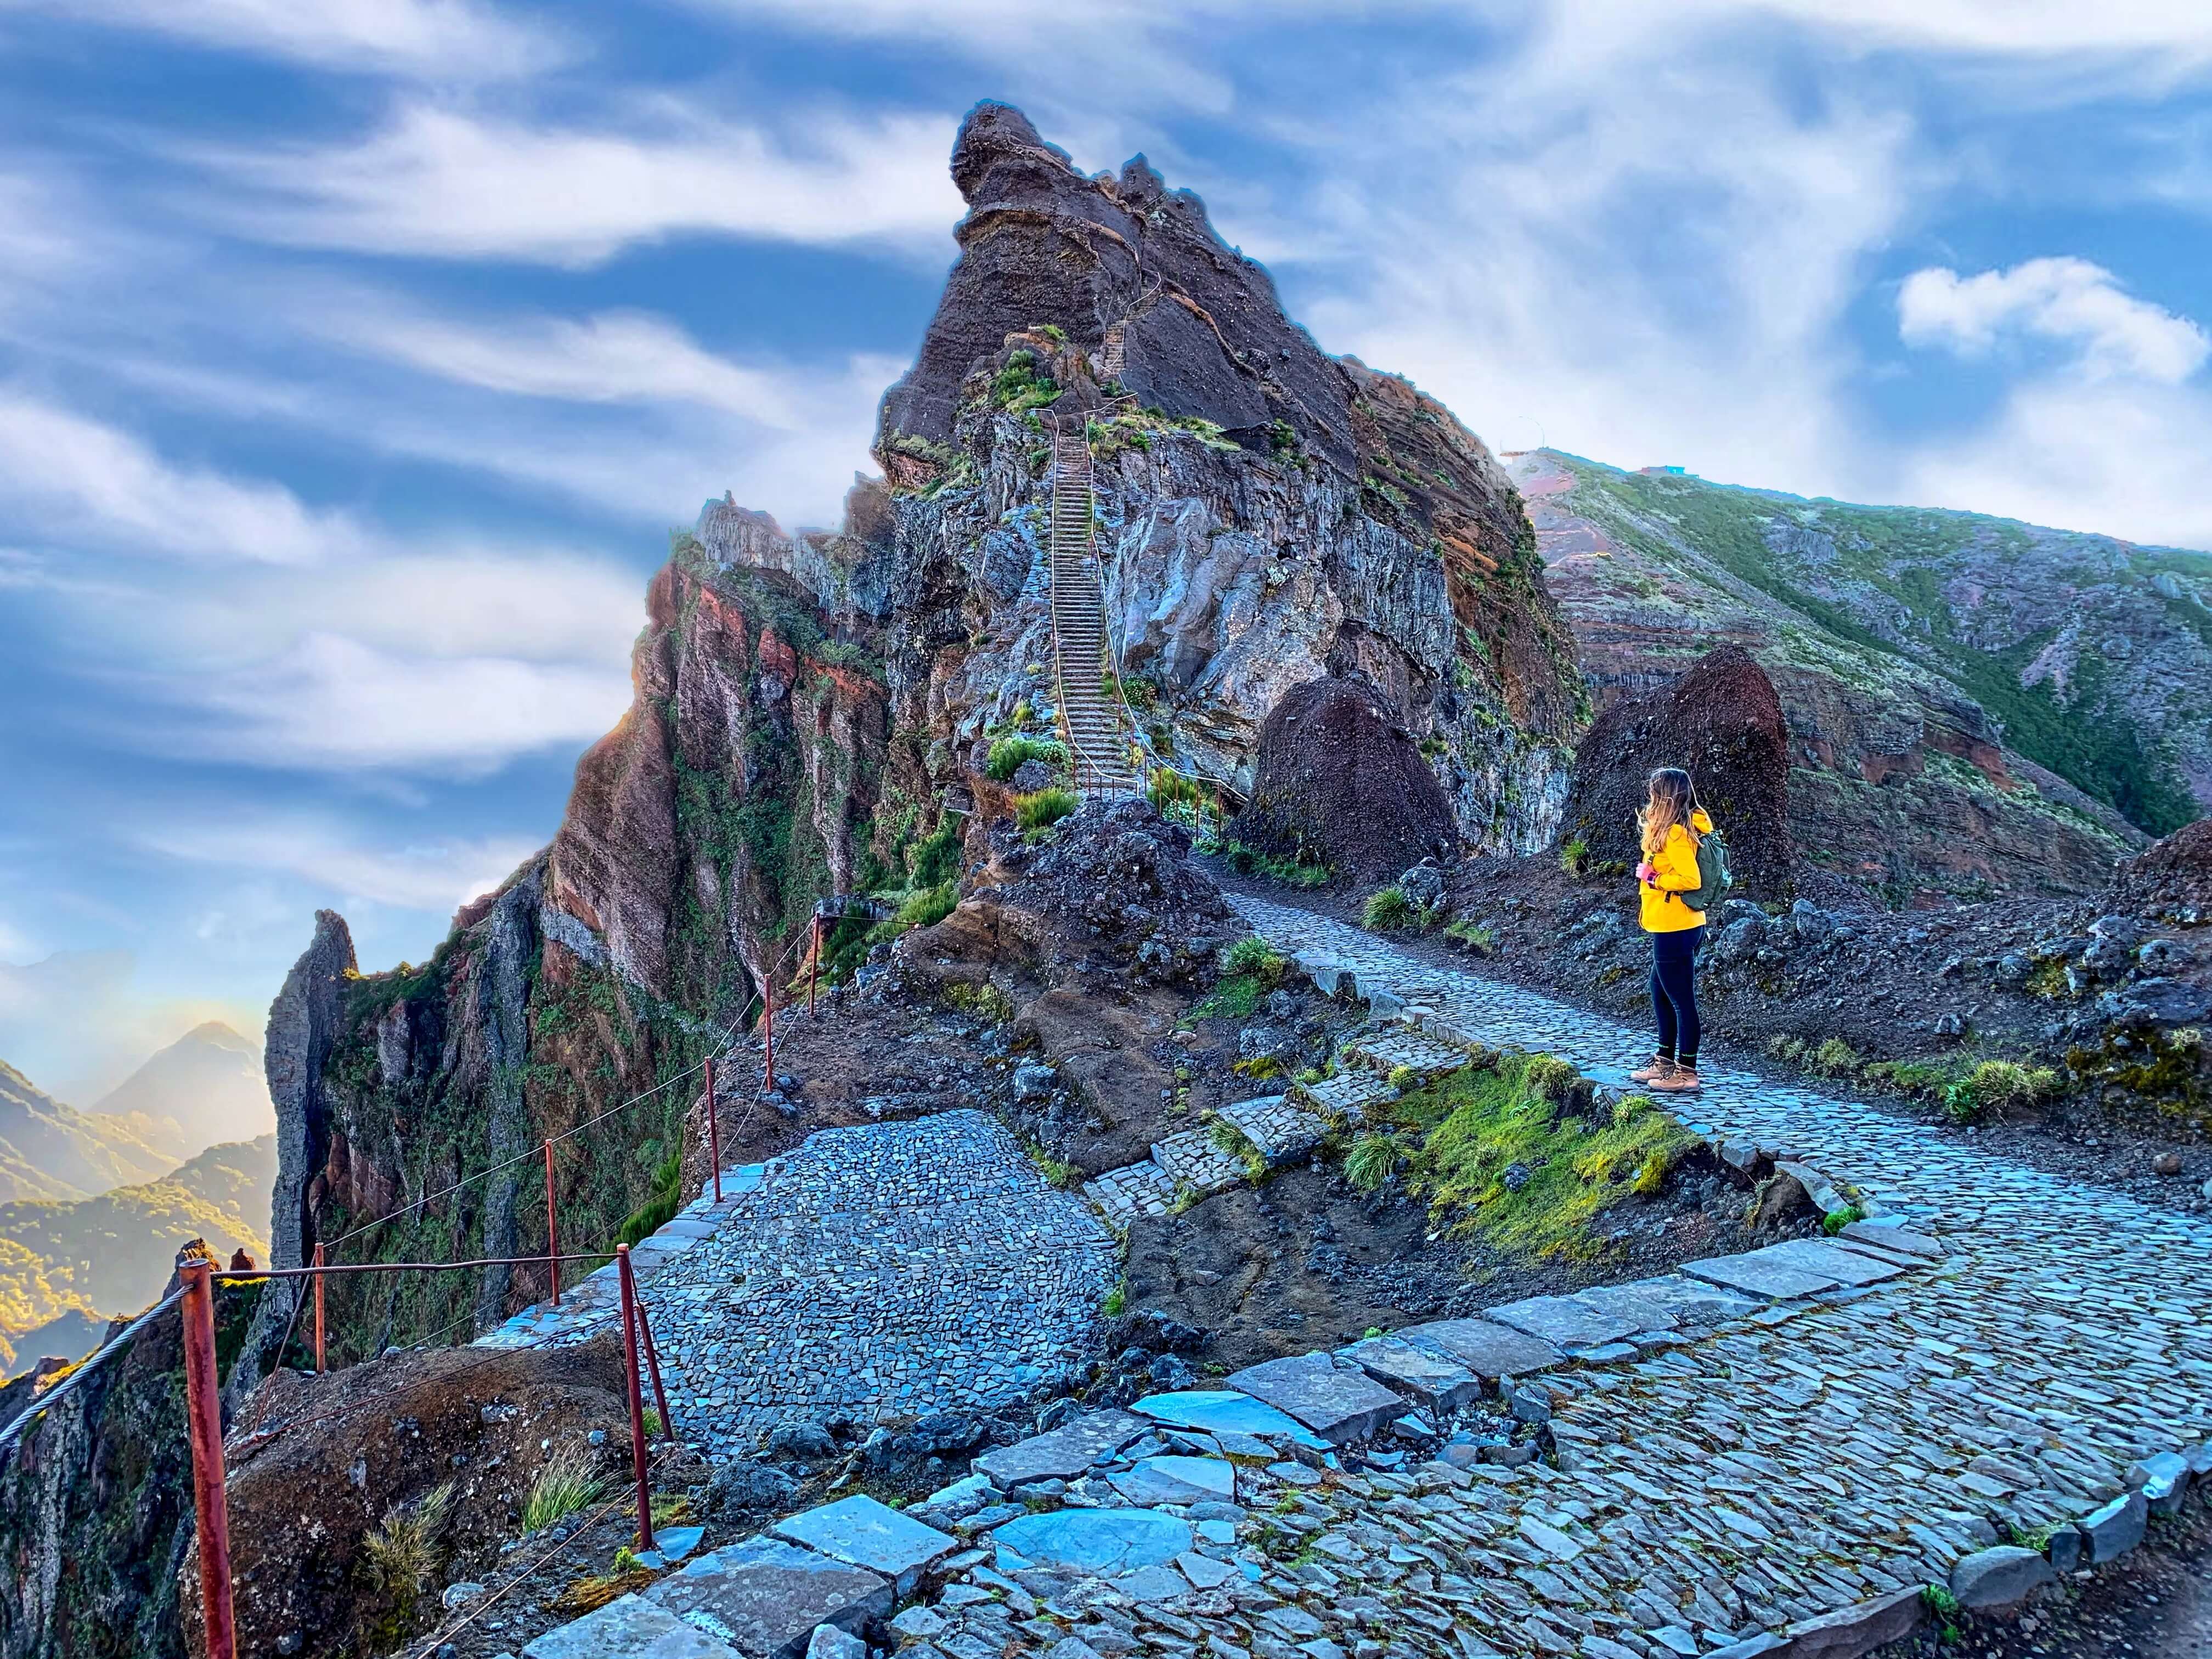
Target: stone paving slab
(1172, 1478)
(1191, 1159)
(629, 1627)
(1281, 1130)
(1224, 1411)
(764, 1597)
(1488, 1349)
(1133, 1191)
(1337, 1399)
(864, 1533)
(1104, 1541)
(1062, 1452)
(1564, 1321)
(1778, 1281)
(1846, 1267)
(1421, 1373)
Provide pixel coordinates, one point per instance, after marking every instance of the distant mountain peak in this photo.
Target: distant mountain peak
(215, 1034)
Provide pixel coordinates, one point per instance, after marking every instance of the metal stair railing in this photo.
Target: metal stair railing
(1079, 630)
(1144, 762)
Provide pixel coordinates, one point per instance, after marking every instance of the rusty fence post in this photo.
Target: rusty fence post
(713, 1130)
(767, 1031)
(320, 1258)
(203, 1424)
(636, 1396)
(653, 1366)
(552, 1229)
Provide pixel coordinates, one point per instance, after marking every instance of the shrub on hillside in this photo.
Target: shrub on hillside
(1045, 808)
(1007, 754)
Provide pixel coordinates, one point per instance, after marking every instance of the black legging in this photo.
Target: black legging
(1674, 994)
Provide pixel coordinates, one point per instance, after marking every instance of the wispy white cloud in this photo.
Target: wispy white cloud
(434, 874)
(630, 357)
(2113, 457)
(448, 183)
(2070, 302)
(64, 475)
(330, 701)
(450, 40)
(1643, 260)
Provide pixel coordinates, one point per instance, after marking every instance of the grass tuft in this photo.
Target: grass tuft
(403, 1551)
(1998, 1086)
(566, 1483)
(1389, 910)
(1045, 808)
(1008, 754)
(1371, 1162)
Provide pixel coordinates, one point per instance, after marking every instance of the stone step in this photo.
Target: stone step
(1134, 1190)
(1191, 1159)
(1392, 1047)
(1278, 1126)
(1348, 1095)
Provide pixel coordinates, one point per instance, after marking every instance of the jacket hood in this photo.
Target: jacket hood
(1700, 821)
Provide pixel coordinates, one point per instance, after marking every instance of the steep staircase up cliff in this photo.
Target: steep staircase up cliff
(1091, 717)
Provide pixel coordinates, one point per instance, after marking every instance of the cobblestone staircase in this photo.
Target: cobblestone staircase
(1091, 719)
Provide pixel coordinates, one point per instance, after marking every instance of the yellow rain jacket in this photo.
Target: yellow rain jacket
(1674, 871)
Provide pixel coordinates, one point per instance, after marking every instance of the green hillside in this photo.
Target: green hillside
(96, 1257)
(2092, 654)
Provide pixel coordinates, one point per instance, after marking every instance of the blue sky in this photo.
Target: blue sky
(356, 357)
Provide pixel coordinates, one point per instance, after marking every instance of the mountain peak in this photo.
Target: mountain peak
(214, 1034)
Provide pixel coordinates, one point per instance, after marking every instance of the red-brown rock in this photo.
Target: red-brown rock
(1722, 723)
(1341, 778)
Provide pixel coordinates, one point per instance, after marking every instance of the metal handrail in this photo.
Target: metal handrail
(1083, 767)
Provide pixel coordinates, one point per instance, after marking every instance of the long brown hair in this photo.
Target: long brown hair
(1673, 797)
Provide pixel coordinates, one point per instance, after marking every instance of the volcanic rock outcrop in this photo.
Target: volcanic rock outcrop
(1722, 724)
(1341, 782)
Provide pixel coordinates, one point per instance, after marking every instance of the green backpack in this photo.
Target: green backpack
(1713, 877)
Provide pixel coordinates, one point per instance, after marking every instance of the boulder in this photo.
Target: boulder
(2000, 1576)
(2157, 1002)
(1424, 885)
(2114, 1530)
(1722, 722)
(1861, 1628)
(1340, 777)
(2174, 874)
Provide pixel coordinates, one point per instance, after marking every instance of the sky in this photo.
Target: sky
(356, 358)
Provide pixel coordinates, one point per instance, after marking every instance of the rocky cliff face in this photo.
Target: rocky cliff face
(813, 711)
(1267, 515)
(1976, 707)
(96, 1504)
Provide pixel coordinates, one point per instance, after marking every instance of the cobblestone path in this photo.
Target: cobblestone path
(1783, 1470)
(905, 1267)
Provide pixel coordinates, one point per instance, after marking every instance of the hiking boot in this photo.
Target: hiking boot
(1659, 1068)
(1682, 1080)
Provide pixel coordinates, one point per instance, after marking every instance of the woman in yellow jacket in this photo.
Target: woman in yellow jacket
(1673, 824)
